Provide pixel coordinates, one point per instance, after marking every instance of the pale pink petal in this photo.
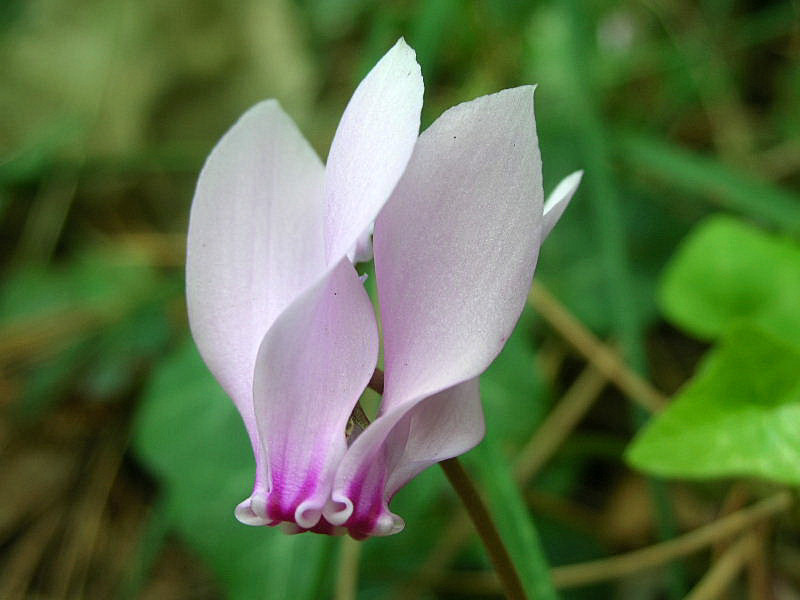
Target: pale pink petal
(455, 251)
(312, 366)
(371, 148)
(558, 201)
(255, 242)
(456, 246)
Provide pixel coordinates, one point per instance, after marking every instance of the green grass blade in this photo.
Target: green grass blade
(698, 175)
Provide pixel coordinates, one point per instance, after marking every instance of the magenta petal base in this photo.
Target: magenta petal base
(371, 517)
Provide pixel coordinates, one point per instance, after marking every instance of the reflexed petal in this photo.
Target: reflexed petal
(255, 242)
(558, 201)
(312, 366)
(455, 251)
(371, 148)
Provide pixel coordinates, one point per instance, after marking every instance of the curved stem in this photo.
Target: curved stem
(482, 520)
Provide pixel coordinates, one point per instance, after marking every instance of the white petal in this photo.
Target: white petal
(255, 242)
(444, 425)
(371, 147)
(456, 246)
(558, 201)
(396, 447)
(312, 366)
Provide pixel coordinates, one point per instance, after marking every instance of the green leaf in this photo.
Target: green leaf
(189, 434)
(739, 416)
(728, 271)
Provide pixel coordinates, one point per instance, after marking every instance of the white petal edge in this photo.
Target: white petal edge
(558, 201)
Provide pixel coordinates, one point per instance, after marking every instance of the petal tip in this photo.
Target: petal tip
(558, 200)
(252, 511)
(388, 524)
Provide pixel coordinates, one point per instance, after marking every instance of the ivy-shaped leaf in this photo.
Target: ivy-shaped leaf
(729, 272)
(739, 416)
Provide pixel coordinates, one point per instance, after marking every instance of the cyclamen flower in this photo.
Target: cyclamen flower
(284, 323)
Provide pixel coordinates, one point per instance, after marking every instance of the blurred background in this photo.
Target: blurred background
(121, 460)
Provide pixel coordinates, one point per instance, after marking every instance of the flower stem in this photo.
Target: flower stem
(347, 578)
(476, 508)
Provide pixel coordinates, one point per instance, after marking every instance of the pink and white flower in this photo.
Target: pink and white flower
(284, 323)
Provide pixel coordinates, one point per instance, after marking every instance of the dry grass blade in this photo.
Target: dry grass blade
(559, 423)
(33, 338)
(86, 518)
(659, 554)
(21, 566)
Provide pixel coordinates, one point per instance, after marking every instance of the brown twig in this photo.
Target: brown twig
(758, 568)
(622, 565)
(602, 356)
(737, 498)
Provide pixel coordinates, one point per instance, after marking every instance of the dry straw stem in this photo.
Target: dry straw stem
(567, 413)
(602, 356)
(720, 576)
(659, 554)
(623, 565)
(20, 569)
(86, 519)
